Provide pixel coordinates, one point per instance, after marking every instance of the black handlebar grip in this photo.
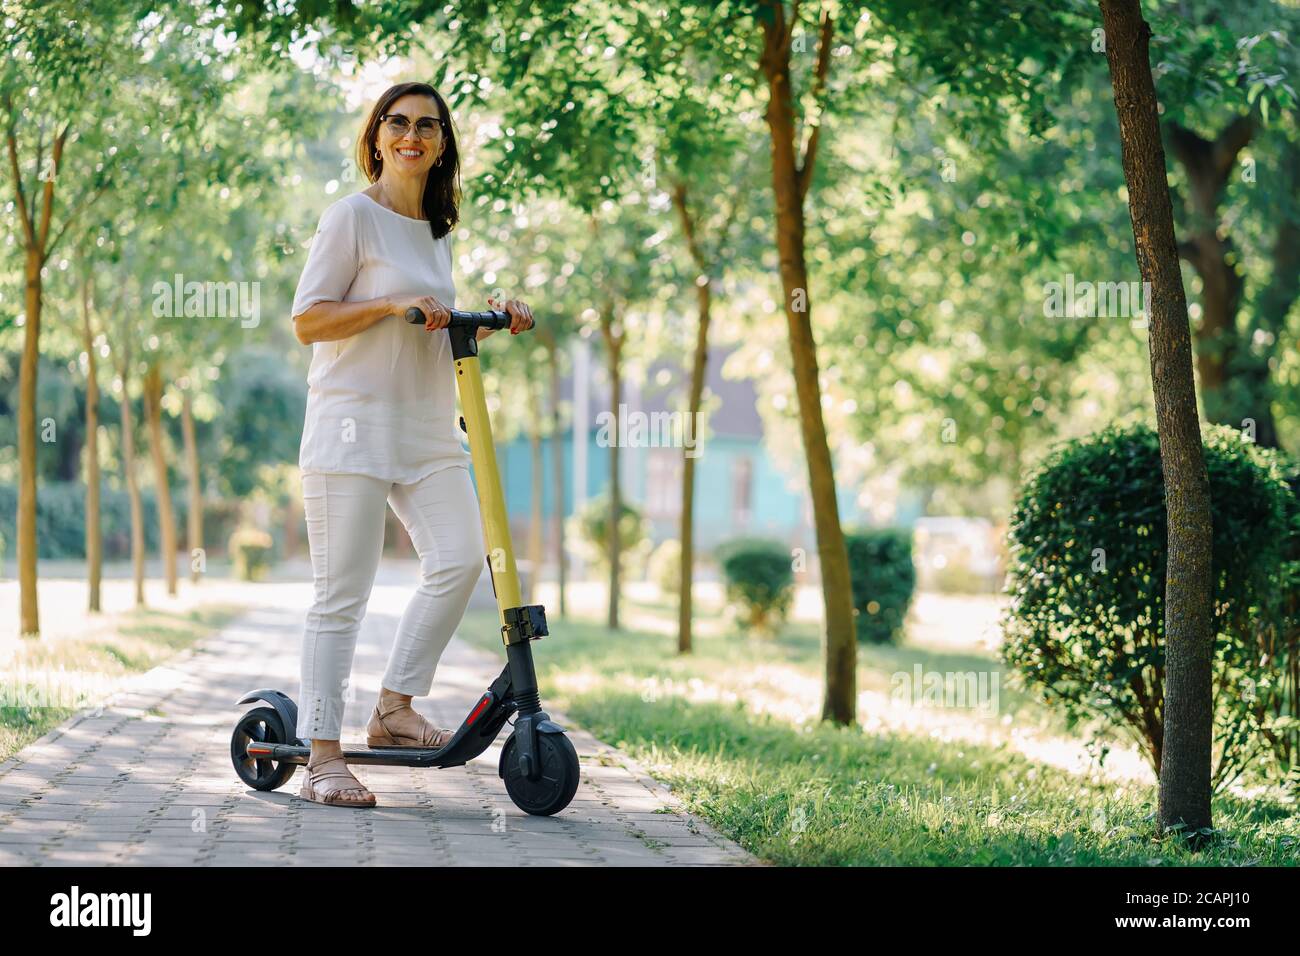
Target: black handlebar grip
(492, 319)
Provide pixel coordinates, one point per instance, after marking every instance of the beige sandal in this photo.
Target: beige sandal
(353, 796)
(379, 734)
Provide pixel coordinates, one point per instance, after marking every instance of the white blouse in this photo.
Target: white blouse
(382, 402)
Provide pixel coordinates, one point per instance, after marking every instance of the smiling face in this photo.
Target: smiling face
(405, 152)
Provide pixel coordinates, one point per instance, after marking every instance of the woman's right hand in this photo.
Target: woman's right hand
(436, 315)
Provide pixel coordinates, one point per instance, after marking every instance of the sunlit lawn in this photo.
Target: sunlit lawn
(733, 729)
(45, 681)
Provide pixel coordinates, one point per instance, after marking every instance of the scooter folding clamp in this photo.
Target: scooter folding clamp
(525, 623)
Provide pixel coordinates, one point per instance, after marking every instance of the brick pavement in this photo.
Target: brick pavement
(146, 779)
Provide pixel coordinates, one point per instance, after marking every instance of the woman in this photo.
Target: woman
(379, 429)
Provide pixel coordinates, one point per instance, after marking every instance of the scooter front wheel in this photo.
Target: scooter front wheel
(553, 790)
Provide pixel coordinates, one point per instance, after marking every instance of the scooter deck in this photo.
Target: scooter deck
(390, 756)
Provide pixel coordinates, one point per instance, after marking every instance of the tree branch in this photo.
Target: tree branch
(1234, 138)
(1209, 163)
(1283, 288)
(688, 224)
(11, 140)
(1187, 145)
(819, 88)
(74, 212)
(47, 195)
(728, 221)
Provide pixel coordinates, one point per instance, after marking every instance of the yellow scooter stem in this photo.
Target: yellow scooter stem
(492, 502)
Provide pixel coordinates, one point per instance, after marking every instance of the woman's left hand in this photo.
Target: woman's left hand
(521, 317)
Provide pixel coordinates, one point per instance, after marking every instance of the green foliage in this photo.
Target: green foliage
(250, 552)
(759, 579)
(808, 793)
(592, 528)
(884, 581)
(1085, 626)
(665, 566)
(960, 578)
(61, 519)
(263, 402)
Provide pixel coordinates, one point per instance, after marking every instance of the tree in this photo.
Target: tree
(194, 488)
(613, 334)
(573, 127)
(550, 340)
(92, 84)
(94, 531)
(123, 357)
(792, 174)
(1185, 766)
(538, 248)
(558, 69)
(945, 374)
(153, 394)
(1228, 104)
(711, 182)
(1209, 250)
(741, 36)
(707, 261)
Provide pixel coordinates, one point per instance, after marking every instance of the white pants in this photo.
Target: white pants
(345, 530)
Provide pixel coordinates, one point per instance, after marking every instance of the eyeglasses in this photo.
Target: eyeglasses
(425, 126)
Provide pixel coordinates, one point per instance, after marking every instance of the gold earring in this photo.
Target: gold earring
(377, 156)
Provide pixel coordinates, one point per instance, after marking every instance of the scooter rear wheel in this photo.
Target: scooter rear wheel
(558, 783)
(260, 725)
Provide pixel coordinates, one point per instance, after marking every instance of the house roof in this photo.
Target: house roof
(736, 415)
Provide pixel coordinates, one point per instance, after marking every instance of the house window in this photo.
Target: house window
(742, 482)
(663, 484)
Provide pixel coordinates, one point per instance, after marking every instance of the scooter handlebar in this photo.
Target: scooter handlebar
(491, 319)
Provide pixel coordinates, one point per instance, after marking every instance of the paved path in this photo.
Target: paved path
(147, 779)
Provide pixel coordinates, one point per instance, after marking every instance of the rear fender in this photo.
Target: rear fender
(284, 706)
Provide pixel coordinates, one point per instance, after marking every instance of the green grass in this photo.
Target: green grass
(806, 793)
(47, 682)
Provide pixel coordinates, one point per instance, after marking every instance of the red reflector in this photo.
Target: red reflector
(482, 706)
(259, 750)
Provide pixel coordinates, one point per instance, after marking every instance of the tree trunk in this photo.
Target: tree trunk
(35, 235)
(613, 347)
(1276, 299)
(29, 614)
(194, 518)
(535, 500)
(790, 183)
(1230, 389)
(153, 389)
(132, 486)
(699, 366)
(557, 451)
(94, 530)
(1188, 702)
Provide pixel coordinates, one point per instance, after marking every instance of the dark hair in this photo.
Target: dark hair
(442, 189)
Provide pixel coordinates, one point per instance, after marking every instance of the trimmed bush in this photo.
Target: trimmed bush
(759, 577)
(250, 553)
(666, 566)
(884, 581)
(1087, 582)
(592, 525)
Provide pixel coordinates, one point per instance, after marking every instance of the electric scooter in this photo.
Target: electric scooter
(538, 762)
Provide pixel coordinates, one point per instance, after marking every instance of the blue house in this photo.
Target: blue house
(739, 488)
